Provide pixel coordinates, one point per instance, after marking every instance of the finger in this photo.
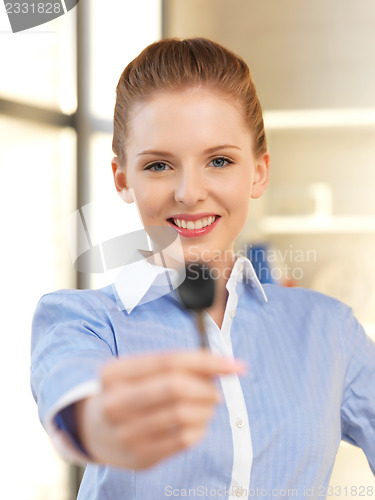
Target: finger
(159, 424)
(200, 362)
(149, 452)
(128, 400)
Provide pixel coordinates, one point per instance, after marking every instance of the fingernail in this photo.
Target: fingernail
(235, 365)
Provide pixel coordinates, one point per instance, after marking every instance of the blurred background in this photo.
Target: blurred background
(313, 64)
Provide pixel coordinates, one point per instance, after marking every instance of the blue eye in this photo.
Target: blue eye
(157, 167)
(221, 162)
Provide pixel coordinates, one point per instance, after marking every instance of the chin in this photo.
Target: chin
(196, 254)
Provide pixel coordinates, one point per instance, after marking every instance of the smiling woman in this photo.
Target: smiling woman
(117, 374)
(198, 169)
(190, 143)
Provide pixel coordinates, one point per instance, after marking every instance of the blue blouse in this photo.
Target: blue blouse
(310, 383)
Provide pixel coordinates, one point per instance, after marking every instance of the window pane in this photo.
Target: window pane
(38, 66)
(37, 192)
(103, 195)
(127, 27)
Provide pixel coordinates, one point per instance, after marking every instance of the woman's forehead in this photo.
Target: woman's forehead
(196, 112)
(202, 90)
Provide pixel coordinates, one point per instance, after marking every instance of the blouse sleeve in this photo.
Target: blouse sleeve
(358, 406)
(71, 340)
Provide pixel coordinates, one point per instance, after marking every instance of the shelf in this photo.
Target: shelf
(316, 224)
(319, 118)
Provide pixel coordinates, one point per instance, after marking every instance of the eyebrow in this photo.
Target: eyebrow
(206, 151)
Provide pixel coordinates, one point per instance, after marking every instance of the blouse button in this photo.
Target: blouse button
(232, 313)
(238, 491)
(240, 423)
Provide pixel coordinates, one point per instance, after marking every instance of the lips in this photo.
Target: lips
(197, 224)
(193, 225)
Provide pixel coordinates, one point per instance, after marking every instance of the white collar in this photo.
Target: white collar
(142, 282)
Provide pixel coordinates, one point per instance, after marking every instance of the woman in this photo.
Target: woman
(125, 389)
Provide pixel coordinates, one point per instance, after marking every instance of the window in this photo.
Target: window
(43, 133)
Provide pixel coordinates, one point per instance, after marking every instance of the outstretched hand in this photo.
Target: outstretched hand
(151, 406)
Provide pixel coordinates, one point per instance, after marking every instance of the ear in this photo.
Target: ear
(119, 176)
(261, 177)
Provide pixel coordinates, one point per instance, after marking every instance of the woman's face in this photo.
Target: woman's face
(190, 162)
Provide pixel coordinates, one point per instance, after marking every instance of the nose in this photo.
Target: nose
(190, 187)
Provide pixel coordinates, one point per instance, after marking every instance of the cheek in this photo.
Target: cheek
(150, 201)
(143, 201)
(238, 190)
(239, 199)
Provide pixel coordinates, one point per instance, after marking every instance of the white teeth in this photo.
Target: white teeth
(198, 224)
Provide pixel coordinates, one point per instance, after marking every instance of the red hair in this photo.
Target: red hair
(174, 64)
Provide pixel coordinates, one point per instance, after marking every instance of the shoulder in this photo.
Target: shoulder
(89, 307)
(87, 313)
(99, 302)
(302, 298)
(308, 310)
(314, 319)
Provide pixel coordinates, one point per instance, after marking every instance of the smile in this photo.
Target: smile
(194, 228)
(198, 224)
